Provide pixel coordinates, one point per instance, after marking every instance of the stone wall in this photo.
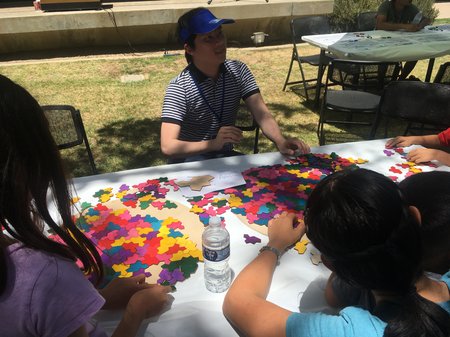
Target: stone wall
(146, 23)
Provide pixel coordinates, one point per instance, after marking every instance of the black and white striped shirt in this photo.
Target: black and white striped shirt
(194, 101)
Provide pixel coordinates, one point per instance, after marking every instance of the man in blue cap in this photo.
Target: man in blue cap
(201, 103)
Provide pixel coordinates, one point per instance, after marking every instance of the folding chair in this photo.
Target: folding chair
(366, 21)
(242, 122)
(253, 127)
(443, 74)
(309, 25)
(415, 102)
(67, 129)
(362, 82)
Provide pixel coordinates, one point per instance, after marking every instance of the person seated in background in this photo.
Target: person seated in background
(42, 290)
(431, 142)
(201, 103)
(429, 192)
(399, 15)
(370, 237)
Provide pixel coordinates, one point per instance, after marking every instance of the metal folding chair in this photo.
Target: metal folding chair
(67, 129)
(362, 83)
(414, 102)
(366, 21)
(247, 124)
(301, 26)
(443, 74)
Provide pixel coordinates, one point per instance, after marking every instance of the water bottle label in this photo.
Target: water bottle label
(216, 255)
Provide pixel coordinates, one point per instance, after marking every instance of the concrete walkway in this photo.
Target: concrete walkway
(145, 23)
(140, 23)
(444, 10)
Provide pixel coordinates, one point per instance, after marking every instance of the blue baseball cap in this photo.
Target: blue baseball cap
(202, 22)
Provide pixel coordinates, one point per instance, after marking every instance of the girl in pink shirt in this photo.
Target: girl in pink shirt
(42, 291)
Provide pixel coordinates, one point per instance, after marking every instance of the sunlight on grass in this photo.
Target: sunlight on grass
(122, 120)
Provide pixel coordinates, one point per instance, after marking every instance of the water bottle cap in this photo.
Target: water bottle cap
(215, 221)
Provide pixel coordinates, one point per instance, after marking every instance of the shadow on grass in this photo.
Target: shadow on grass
(134, 143)
(130, 143)
(120, 145)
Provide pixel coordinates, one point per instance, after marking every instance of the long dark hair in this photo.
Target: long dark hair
(30, 167)
(430, 193)
(360, 222)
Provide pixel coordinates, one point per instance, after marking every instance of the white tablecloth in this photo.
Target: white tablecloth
(197, 312)
(381, 45)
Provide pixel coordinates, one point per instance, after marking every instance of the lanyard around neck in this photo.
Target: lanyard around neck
(200, 90)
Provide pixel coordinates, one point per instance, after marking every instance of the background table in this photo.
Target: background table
(195, 311)
(385, 46)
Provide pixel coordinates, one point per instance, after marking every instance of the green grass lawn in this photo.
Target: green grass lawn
(122, 120)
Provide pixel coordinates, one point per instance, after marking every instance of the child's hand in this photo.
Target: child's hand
(423, 155)
(118, 292)
(149, 302)
(282, 233)
(400, 141)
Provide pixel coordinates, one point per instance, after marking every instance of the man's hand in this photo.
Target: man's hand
(226, 134)
(293, 147)
(412, 27)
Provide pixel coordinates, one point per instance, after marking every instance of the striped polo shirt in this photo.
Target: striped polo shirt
(201, 105)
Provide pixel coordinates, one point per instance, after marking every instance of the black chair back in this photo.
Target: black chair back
(362, 75)
(67, 129)
(443, 74)
(246, 122)
(309, 25)
(366, 21)
(415, 102)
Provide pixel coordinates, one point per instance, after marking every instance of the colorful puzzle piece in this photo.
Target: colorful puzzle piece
(196, 183)
(134, 239)
(271, 190)
(251, 239)
(405, 168)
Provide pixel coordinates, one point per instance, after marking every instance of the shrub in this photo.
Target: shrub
(345, 11)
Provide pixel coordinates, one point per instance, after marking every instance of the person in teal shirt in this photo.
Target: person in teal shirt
(370, 237)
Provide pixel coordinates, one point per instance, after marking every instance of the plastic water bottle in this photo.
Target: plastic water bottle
(216, 253)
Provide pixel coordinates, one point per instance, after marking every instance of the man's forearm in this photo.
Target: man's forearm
(271, 130)
(393, 26)
(179, 148)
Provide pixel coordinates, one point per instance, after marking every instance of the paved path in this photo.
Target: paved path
(444, 10)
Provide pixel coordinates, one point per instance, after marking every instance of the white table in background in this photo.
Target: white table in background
(384, 46)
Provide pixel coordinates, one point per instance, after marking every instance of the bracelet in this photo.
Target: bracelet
(273, 250)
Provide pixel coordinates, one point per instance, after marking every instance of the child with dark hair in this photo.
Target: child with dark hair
(429, 192)
(370, 238)
(42, 291)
